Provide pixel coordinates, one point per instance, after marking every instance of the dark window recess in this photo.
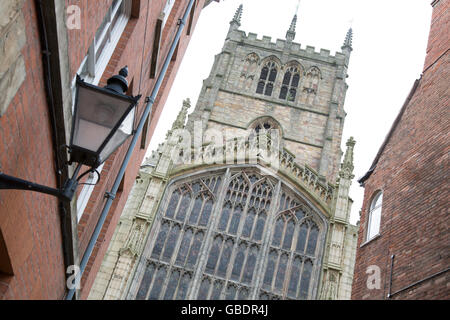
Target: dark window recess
(260, 88)
(191, 18)
(144, 133)
(122, 182)
(156, 45)
(175, 52)
(267, 79)
(5, 262)
(290, 83)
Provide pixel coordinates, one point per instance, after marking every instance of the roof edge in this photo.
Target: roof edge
(390, 133)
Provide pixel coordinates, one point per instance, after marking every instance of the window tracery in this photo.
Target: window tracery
(290, 83)
(267, 78)
(231, 236)
(248, 71)
(311, 86)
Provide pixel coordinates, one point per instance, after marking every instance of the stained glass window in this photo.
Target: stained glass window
(232, 230)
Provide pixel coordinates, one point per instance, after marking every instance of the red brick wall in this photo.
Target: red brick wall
(29, 221)
(439, 37)
(413, 174)
(132, 52)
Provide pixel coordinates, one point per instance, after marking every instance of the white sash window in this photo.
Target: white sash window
(93, 67)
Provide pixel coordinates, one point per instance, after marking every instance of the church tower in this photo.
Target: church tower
(249, 199)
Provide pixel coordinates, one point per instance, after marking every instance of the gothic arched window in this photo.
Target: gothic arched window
(226, 230)
(290, 84)
(373, 225)
(292, 255)
(267, 78)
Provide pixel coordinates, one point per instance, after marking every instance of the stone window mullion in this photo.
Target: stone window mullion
(261, 261)
(208, 238)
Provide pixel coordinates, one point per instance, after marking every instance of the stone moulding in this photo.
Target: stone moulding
(245, 152)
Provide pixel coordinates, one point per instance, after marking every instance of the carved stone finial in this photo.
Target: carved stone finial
(348, 39)
(181, 118)
(290, 34)
(238, 15)
(347, 165)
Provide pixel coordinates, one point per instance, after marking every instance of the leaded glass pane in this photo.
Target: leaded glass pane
(271, 263)
(295, 80)
(223, 222)
(193, 218)
(299, 214)
(225, 258)
(295, 277)
(269, 88)
(235, 250)
(184, 286)
(287, 78)
(306, 277)
(248, 225)
(157, 285)
(250, 265)
(195, 249)
(184, 248)
(243, 294)
(146, 281)
(213, 255)
(278, 233)
(170, 243)
(289, 234)
(281, 272)
(260, 87)
(312, 240)
(257, 235)
(217, 290)
(231, 292)
(204, 289)
(170, 212)
(206, 213)
(235, 219)
(264, 73)
(238, 262)
(301, 240)
(160, 240)
(172, 285)
(184, 206)
(273, 74)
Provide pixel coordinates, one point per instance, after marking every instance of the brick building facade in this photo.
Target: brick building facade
(44, 44)
(205, 220)
(403, 245)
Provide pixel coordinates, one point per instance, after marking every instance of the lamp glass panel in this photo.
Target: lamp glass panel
(125, 130)
(97, 114)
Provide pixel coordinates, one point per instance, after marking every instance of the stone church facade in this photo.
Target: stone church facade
(257, 205)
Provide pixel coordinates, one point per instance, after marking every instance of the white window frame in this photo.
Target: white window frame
(375, 208)
(95, 69)
(166, 11)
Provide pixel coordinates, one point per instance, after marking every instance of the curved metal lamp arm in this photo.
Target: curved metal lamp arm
(66, 193)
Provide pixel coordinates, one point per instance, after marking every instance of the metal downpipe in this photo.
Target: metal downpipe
(112, 193)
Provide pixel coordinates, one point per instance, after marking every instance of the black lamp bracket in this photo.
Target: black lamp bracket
(66, 193)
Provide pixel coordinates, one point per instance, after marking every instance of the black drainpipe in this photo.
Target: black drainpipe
(112, 194)
(58, 136)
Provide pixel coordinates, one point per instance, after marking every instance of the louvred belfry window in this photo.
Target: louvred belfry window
(267, 78)
(290, 83)
(232, 236)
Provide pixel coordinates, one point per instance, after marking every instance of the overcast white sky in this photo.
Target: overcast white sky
(389, 46)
